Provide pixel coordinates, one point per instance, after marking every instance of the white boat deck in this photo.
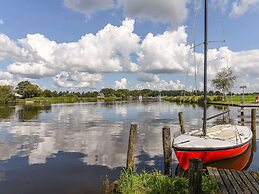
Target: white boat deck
(218, 137)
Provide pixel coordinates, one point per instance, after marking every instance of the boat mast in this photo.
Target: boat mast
(205, 66)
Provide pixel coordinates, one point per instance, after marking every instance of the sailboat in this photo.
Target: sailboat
(211, 143)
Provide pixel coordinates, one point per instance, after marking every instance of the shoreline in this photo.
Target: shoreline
(233, 104)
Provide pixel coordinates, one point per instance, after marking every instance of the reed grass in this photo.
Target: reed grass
(156, 183)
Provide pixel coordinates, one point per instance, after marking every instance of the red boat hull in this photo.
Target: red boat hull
(208, 156)
(239, 162)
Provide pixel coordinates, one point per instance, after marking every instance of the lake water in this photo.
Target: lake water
(70, 148)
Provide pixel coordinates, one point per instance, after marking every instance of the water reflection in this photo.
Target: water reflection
(31, 112)
(92, 136)
(62, 173)
(6, 112)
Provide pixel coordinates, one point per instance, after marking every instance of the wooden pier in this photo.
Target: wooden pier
(232, 181)
(252, 105)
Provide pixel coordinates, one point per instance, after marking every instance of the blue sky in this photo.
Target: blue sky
(91, 44)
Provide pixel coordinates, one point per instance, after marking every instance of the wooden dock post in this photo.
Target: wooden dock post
(181, 121)
(132, 147)
(242, 116)
(253, 128)
(106, 186)
(167, 149)
(195, 176)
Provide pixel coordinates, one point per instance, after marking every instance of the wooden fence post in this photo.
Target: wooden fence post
(195, 176)
(181, 121)
(167, 149)
(132, 147)
(253, 128)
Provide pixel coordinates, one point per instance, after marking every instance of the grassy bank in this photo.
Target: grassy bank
(153, 183)
(189, 99)
(66, 99)
(235, 99)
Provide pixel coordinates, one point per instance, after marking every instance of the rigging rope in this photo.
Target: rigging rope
(196, 8)
(226, 60)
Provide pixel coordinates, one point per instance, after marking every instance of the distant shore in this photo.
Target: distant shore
(234, 100)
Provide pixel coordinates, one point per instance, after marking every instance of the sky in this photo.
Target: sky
(87, 45)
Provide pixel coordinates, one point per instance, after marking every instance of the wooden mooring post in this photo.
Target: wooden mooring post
(246, 117)
(181, 121)
(195, 176)
(130, 165)
(167, 150)
(108, 187)
(242, 116)
(253, 128)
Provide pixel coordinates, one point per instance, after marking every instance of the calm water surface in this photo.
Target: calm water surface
(70, 148)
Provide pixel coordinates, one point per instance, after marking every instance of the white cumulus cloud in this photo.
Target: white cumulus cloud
(87, 7)
(110, 50)
(166, 53)
(162, 85)
(173, 11)
(243, 62)
(246, 62)
(39, 46)
(121, 84)
(8, 48)
(147, 77)
(31, 55)
(74, 80)
(220, 4)
(240, 7)
(7, 78)
(107, 51)
(30, 70)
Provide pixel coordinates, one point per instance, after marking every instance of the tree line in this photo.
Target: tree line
(223, 81)
(28, 90)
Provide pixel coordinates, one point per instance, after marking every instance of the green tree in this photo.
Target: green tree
(224, 80)
(145, 92)
(210, 93)
(46, 93)
(6, 94)
(54, 94)
(123, 93)
(27, 89)
(108, 92)
(134, 93)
